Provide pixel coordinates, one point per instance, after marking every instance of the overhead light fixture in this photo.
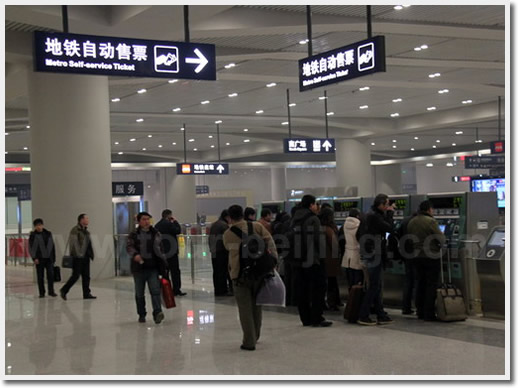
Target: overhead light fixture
(292, 104)
(173, 143)
(210, 136)
(212, 146)
(141, 91)
(417, 48)
(271, 85)
(449, 164)
(227, 144)
(364, 107)
(437, 141)
(373, 144)
(177, 109)
(25, 148)
(7, 134)
(416, 138)
(285, 123)
(191, 140)
(116, 99)
(406, 6)
(424, 47)
(160, 146)
(230, 65)
(397, 100)
(322, 98)
(434, 146)
(443, 91)
(205, 102)
(139, 120)
(195, 149)
(232, 95)
(394, 146)
(6, 152)
(133, 139)
(246, 141)
(149, 135)
(467, 101)
(245, 130)
(459, 133)
(398, 7)
(412, 149)
(364, 88)
(394, 141)
(116, 143)
(478, 141)
(218, 122)
(431, 108)
(144, 149)
(394, 115)
(330, 113)
(172, 81)
(305, 41)
(258, 112)
(453, 144)
(182, 129)
(121, 153)
(429, 164)
(434, 75)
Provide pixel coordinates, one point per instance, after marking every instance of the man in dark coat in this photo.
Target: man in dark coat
(220, 274)
(169, 228)
(43, 253)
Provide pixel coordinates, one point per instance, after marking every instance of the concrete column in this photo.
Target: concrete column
(278, 178)
(181, 195)
(71, 160)
(353, 166)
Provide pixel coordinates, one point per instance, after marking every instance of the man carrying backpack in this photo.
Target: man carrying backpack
(246, 281)
(310, 273)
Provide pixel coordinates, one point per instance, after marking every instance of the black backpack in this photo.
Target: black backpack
(255, 262)
(297, 241)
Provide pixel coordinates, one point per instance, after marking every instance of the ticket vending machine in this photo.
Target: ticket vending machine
(275, 206)
(342, 207)
(491, 271)
(465, 219)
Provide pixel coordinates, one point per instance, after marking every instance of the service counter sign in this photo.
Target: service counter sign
(102, 55)
(312, 146)
(127, 188)
(348, 62)
(202, 169)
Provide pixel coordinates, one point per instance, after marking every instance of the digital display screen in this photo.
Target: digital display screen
(400, 204)
(488, 185)
(442, 227)
(344, 206)
(496, 239)
(446, 202)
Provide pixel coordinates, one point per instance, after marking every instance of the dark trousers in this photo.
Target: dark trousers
(220, 275)
(250, 314)
(174, 270)
(45, 265)
(310, 285)
(354, 277)
(289, 283)
(408, 288)
(427, 282)
(333, 292)
(81, 268)
(373, 294)
(149, 276)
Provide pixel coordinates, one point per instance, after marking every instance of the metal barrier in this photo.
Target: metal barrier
(17, 249)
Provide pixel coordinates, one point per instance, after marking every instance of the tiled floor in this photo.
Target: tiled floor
(201, 336)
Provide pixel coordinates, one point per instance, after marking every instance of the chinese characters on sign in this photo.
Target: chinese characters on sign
(355, 60)
(315, 146)
(127, 188)
(202, 189)
(202, 168)
(484, 161)
(99, 55)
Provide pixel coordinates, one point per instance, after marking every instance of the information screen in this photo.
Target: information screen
(442, 227)
(344, 206)
(496, 239)
(488, 185)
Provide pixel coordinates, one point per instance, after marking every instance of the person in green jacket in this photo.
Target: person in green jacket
(428, 242)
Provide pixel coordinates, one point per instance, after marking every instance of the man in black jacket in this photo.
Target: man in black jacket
(147, 264)
(378, 223)
(220, 276)
(43, 253)
(169, 228)
(310, 275)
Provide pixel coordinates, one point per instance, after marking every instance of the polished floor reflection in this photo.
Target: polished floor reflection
(201, 336)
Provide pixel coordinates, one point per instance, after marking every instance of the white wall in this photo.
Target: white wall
(437, 179)
(298, 178)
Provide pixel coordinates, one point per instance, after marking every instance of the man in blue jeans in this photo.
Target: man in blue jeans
(378, 223)
(147, 264)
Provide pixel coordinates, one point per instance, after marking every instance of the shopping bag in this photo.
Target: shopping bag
(272, 292)
(167, 294)
(57, 274)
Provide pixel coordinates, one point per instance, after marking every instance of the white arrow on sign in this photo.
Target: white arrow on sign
(201, 60)
(220, 169)
(326, 145)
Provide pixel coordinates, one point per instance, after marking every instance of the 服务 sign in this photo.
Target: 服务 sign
(341, 64)
(102, 55)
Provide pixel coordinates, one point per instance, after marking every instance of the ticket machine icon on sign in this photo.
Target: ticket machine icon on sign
(166, 59)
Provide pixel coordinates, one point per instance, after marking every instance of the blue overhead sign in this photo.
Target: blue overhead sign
(102, 55)
(202, 168)
(312, 146)
(342, 64)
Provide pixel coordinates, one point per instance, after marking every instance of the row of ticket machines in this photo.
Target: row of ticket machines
(475, 244)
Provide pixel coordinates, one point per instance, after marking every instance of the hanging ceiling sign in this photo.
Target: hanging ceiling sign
(102, 55)
(484, 161)
(342, 64)
(127, 188)
(202, 169)
(309, 146)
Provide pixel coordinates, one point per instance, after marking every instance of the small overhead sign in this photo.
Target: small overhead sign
(121, 189)
(484, 161)
(202, 169)
(202, 189)
(341, 64)
(313, 146)
(497, 147)
(103, 55)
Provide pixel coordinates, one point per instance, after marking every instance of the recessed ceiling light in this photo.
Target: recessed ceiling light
(431, 108)
(259, 112)
(143, 149)
(191, 140)
(449, 164)
(478, 141)
(25, 148)
(394, 146)
(116, 99)
(210, 136)
(417, 48)
(177, 109)
(364, 88)
(459, 133)
(305, 41)
(330, 113)
(394, 141)
(416, 138)
(116, 143)
(412, 149)
(434, 75)
(6, 152)
(398, 7)
(246, 141)
(230, 65)
(437, 141)
(467, 101)
(205, 102)
(453, 144)
(364, 107)
(284, 123)
(172, 81)
(121, 153)
(292, 104)
(149, 135)
(322, 98)
(406, 6)
(160, 146)
(195, 149)
(7, 134)
(373, 144)
(141, 91)
(394, 115)
(434, 146)
(424, 47)
(212, 146)
(443, 91)
(245, 130)
(174, 143)
(271, 85)
(232, 95)
(133, 139)
(429, 164)
(227, 143)
(397, 100)
(139, 120)
(218, 122)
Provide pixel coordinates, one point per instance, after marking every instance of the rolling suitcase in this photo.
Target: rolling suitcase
(354, 302)
(449, 303)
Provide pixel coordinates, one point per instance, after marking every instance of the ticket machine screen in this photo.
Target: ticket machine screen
(442, 227)
(496, 239)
